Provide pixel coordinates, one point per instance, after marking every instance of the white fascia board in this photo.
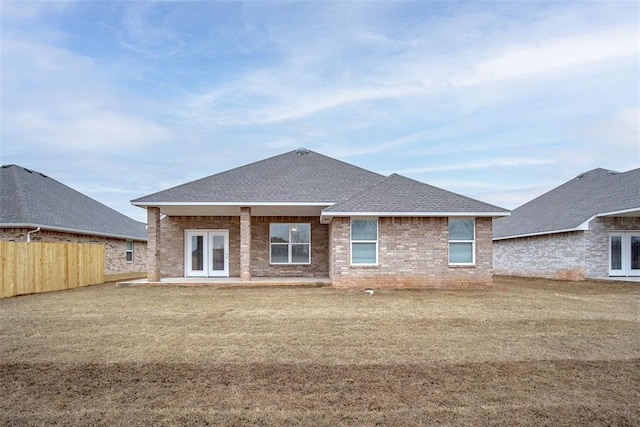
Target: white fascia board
(73, 231)
(582, 227)
(620, 212)
(326, 217)
(145, 204)
(419, 214)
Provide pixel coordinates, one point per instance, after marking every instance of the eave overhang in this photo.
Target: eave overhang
(72, 231)
(326, 217)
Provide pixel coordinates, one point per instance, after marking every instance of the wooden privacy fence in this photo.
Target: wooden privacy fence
(35, 267)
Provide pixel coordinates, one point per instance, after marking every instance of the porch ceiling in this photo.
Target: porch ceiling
(234, 210)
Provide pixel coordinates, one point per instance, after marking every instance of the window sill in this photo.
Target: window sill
(462, 266)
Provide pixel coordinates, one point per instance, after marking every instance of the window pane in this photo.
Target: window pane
(300, 233)
(460, 229)
(129, 245)
(300, 253)
(279, 233)
(460, 253)
(364, 229)
(129, 256)
(279, 253)
(217, 253)
(616, 252)
(197, 255)
(363, 253)
(635, 252)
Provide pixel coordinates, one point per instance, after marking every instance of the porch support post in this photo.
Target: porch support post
(153, 244)
(245, 243)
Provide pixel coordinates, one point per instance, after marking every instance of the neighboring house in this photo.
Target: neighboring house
(302, 214)
(37, 208)
(587, 227)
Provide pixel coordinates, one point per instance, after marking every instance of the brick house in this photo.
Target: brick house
(302, 214)
(587, 227)
(35, 207)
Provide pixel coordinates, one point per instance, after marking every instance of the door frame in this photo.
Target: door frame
(207, 242)
(626, 269)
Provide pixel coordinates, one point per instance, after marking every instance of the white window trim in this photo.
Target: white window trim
(473, 245)
(351, 241)
(290, 244)
(127, 251)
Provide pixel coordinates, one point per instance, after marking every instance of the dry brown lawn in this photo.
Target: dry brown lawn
(529, 352)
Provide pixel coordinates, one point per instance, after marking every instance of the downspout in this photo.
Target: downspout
(29, 234)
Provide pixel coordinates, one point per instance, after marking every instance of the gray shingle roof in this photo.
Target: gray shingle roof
(573, 203)
(293, 177)
(29, 198)
(398, 194)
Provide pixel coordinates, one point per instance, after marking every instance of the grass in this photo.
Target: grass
(529, 352)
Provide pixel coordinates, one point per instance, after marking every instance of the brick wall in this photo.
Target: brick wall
(172, 231)
(412, 252)
(172, 245)
(552, 256)
(115, 261)
(597, 242)
(567, 256)
(260, 266)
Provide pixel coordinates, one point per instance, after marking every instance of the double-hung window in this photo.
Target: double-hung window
(129, 251)
(364, 241)
(462, 241)
(290, 243)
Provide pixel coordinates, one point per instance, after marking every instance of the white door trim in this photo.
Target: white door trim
(212, 271)
(205, 267)
(625, 251)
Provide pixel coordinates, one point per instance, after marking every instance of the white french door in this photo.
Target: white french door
(207, 253)
(624, 253)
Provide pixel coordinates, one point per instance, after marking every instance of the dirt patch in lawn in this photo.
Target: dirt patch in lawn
(529, 352)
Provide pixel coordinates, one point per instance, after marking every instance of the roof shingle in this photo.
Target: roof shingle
(31, 198)
(568, 206)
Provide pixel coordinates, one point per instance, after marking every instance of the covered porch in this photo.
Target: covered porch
(237, 244)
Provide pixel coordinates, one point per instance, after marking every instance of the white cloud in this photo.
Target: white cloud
(527, 60)
(506, 162)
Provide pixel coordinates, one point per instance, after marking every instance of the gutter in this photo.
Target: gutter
(72, 231)
(30, 232)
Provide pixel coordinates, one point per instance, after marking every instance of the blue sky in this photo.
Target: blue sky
(500, 101)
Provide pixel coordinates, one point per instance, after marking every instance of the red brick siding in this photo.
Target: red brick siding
(412, 252)
(172, 245)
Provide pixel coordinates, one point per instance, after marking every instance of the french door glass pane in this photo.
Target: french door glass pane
(279, 253)
(300, 253)
(363, 253)
(635, 252)
(460, 253)
(217, 253)
(616, 252)
(197, 253)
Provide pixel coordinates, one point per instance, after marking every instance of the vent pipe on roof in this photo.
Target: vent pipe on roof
(29, 234)
(302, 151)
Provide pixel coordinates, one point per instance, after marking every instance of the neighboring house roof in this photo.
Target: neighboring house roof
(400, 196)
(305, 177)
(572, 205)
(32, 199)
